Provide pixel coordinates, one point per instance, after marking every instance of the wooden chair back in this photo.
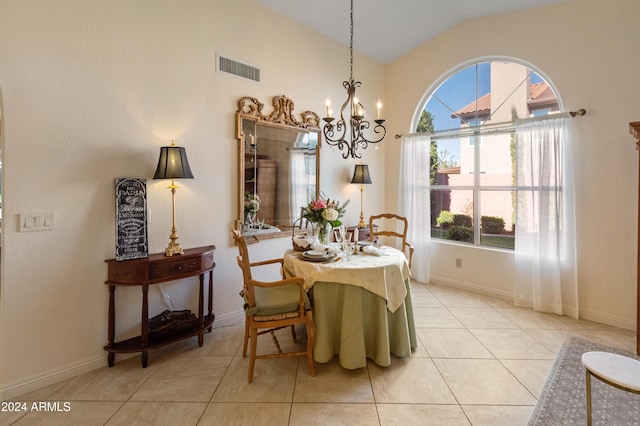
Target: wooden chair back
(245, 266)
(399, 231)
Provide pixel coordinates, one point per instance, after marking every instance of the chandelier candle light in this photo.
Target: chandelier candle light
(335, 133)
(173, 164)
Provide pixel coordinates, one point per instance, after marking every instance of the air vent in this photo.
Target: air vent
(238, 68)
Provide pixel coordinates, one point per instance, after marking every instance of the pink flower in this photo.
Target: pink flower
(318, 204)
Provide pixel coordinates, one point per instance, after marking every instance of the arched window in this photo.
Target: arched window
(470, 116)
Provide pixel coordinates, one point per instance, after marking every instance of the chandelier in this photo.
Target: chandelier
(335, 133)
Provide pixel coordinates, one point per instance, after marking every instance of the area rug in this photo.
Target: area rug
(562, 400)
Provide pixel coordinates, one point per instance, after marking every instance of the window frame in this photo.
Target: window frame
(475, 140)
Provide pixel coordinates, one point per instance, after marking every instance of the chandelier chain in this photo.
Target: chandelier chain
(351, 44)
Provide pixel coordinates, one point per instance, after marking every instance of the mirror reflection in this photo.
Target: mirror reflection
(278, 165)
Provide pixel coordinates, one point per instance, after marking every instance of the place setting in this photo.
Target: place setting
(318, 255)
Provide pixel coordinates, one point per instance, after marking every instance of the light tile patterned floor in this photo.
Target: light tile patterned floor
(480, 361)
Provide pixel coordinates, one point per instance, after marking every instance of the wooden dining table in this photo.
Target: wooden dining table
(362, 306)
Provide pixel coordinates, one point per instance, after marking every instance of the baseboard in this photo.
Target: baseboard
(474, 288)
(624, 323)
(55, 375)
(38, 381)
(231, 318)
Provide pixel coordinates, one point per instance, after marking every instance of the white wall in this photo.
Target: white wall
(586, 48)
(90, 91)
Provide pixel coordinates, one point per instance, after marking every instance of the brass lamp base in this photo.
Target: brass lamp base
(174, 247)
(172, 250)
(361, 224)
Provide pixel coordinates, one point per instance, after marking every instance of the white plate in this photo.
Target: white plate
(324, 258)
(315, 253)
(365, 243)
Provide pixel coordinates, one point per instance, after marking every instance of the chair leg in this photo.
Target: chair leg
(252, 353)
(311, 331)
(246, 337)
(293, 334)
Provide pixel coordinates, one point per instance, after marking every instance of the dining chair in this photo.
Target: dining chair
(301, 222)
(399, 231)
(271, 306)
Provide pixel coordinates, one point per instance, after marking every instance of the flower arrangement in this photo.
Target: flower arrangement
(323, 212)
(251, 204)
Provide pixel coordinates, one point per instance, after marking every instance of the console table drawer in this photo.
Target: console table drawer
(128, 272)
(167, 269)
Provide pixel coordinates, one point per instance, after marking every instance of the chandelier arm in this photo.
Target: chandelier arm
(353, 153)
(344, 105)
(330, 130)
(378, 129)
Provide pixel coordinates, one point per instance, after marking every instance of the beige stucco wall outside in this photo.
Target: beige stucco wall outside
(509, 89)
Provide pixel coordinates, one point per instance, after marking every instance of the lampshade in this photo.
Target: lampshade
(173, 163)
(361, 174)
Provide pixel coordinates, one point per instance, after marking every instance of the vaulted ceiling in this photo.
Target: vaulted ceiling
(387, 29)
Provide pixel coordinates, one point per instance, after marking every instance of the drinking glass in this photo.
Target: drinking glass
(342, 230)
(347, 249)
(337, 236)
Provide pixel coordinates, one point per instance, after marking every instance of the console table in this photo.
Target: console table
(155, 269)
(363, 233)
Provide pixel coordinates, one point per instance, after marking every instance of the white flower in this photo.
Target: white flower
(330, 214)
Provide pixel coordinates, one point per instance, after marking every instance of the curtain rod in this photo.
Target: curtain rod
(505, 126)
(300, 149)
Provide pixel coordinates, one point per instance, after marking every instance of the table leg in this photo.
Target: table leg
(144, 335)
(210, 296)
(201, 302)
(201, 311)
(111, 321)
(588, 381)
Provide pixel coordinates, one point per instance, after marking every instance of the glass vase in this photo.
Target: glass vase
(321, 233)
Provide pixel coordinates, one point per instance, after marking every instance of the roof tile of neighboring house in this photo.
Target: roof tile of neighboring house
(483, 107)
(540, 94)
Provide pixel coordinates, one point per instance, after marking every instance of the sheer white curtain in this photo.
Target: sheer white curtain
(297, 183)
(414, 201)
(545, 262)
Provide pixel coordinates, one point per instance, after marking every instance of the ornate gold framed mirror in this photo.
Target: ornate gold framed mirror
(278, 167)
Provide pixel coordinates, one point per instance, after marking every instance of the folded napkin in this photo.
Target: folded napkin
(322, 247)
(373, 250)
(303, 242)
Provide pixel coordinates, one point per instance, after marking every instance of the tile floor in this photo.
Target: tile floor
(480, 361)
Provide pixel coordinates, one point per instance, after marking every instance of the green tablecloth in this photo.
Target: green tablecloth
(362, 307)
(355, 324)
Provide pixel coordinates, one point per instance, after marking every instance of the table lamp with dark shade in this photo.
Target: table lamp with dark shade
(173, 164)
(361, 176)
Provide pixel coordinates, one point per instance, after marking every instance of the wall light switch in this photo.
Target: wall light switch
(37, 221)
